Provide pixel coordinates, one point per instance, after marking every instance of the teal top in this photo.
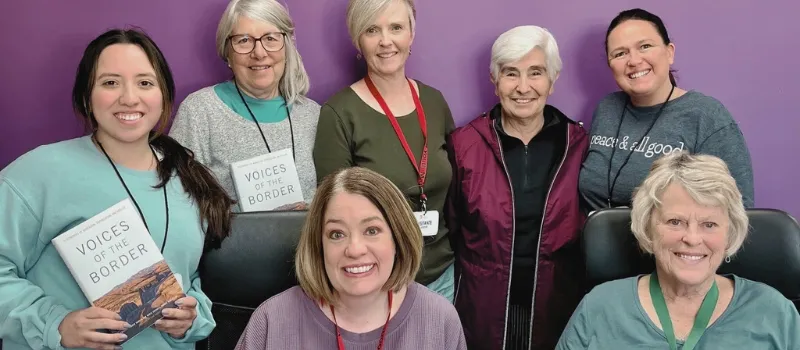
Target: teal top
(611, 317)
(266, 111)
(54, 188)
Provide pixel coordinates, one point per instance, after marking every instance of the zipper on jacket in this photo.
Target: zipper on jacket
(539, 244)
(513, 231)
(525, 170)
(458, 287)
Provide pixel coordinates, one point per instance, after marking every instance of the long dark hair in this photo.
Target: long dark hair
(212, 200)
(642, 15)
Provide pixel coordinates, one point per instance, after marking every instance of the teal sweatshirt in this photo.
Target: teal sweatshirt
(54, 188)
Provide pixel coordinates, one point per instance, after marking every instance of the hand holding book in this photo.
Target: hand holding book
(178, 320)
(120, 268)
(82, 329)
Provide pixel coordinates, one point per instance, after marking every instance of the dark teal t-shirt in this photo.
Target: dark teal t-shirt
(611, 317)
(266, 111)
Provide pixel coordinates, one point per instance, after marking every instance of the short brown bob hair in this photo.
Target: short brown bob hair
(310, 261)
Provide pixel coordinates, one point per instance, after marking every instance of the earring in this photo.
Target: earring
(409, 51)
(358, 56)
(728, 259)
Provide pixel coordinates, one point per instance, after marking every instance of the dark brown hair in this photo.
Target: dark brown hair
(642, 15)
(213, 202)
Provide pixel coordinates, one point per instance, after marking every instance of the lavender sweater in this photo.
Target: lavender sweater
(291, 320)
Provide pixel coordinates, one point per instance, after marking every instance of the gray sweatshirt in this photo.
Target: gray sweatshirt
(218, 136)
(291, 320)
(693, 122)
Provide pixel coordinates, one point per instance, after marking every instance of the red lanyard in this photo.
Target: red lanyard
(422, 169)
(339, 339)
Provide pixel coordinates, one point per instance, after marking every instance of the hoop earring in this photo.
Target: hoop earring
(728, 259)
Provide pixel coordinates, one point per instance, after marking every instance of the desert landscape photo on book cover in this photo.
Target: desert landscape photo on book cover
(141, 298)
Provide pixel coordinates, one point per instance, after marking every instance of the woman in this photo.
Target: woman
(358, 253)
(395, 126)
(652, 116)
(261, 110)
(123, 90)
(527, 154)
(689, 214)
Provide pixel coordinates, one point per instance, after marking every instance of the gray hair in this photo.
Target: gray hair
(361, 14)
(707, 180)
(294, 82)
(517, 42)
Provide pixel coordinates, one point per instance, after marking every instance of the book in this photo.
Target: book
(119, 267)
(267, 182)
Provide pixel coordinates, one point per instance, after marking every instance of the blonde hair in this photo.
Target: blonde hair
(309, 259)
(294, 82)
(361, 14)
(707, 180)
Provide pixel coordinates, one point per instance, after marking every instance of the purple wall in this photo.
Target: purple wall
(743, 54)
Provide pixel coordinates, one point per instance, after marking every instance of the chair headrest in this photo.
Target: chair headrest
(770, 254)
(256, 261)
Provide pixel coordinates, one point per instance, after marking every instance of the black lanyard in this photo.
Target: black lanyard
(288, 116)
(166, 202)
(633, 149)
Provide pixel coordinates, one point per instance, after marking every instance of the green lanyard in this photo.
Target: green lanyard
(700, 321)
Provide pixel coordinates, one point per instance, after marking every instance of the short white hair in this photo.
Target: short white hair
(294, 82)
(362, 13)
(517, 42)
(707, 180)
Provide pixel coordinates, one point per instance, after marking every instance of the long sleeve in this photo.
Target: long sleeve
(449, 123)
(190, 128)
(578, 332)
(28, 315)
(332, 149)
(254, 336)
(204, 323)
(453, 201)
(455, 333)
(728, 143)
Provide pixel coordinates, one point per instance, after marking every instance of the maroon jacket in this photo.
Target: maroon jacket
(480, 216)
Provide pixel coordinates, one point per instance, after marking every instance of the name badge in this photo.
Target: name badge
(428, 222)
(267, 182)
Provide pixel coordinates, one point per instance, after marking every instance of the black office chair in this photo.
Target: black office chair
(771, 253)
(254, 264)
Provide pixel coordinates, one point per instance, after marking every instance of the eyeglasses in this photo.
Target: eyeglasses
(245, 44)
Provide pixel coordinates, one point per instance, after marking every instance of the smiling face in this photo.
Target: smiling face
(358, 247)
(690, 239)
(386, 44)
(639, 59)
(259, 72)
(126, 99)
(523, 86)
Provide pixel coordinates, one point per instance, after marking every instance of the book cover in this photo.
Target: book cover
(267, 182)
(118, 266)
